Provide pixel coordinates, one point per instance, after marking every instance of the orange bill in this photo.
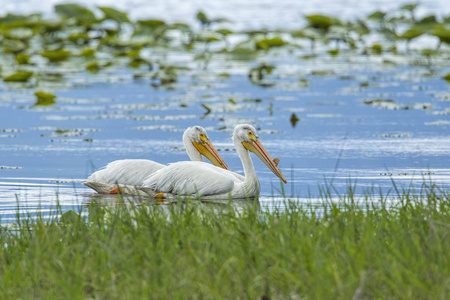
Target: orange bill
(256, 147)
(116, 190)
(208, 150)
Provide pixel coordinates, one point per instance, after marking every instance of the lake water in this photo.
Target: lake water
(46, 152)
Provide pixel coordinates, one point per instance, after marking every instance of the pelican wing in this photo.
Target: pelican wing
(125, 172)
(192, 178)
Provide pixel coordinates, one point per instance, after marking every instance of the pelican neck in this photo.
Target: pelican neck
(191, 151)
(247, 163)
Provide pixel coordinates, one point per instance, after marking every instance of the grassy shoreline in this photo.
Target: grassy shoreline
(342, 250)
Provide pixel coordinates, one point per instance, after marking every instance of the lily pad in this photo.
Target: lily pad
(22, 59)
(266, 44)
(114, 14)
(20, 76)
(201, 16)
(412, 33)
(224, 31)
(447, 77)
(377, 16)
(75, 11)
(56, 55)
(321, 21)
(88, 53)
(44, 98)
(151, 23)
(442, 32)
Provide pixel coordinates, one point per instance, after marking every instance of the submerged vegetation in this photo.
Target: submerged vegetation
(376, 247)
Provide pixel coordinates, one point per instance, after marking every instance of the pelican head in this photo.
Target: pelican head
(248, 137)
(200, 140)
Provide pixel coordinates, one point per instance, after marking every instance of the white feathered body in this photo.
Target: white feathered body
(132, 172)
(123, 172)
(201, 179)
(204, 180)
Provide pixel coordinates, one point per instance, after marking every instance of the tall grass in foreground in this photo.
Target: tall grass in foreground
(359, 250)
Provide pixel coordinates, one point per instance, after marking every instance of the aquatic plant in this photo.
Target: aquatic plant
(351, 248)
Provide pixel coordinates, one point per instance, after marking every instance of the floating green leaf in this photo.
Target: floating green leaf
(224, 31)
(333, 52)
(22, 59)
(114, 14)
(11, 18)
(377, 16)
(321, 21)
(223, 75)
(93, 67)
(308, 33)
(151, 23)
(364, 84)
(88, 53)
(442, 32)
(266, 44)
(44, 98)
(20, 76)
(79, 38)
(201, 16)
(205, 21)
(409, 7)
(56, 55)
(207, 37)
(447, 77)
(303, 82)
(412, 33)
(428, 20)
(75, 11)
(377, 48)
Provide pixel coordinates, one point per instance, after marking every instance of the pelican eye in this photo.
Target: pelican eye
(203, 137)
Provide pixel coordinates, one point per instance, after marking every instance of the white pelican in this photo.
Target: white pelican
(132, 172)
(209, 182)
